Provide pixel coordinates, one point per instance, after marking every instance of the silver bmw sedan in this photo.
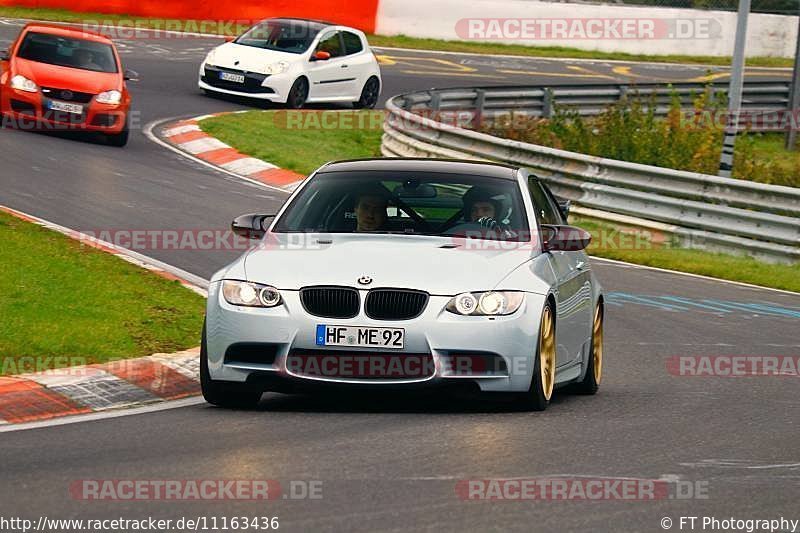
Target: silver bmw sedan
(407, 273)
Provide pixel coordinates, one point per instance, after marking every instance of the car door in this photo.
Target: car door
(330, 78)
(359, 62)
(573, 300)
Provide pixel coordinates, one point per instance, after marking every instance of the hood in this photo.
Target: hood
(77, 80)
(439, 266)
(249, 58)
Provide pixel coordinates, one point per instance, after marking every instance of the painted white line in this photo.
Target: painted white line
(204, 117)
(66, 376)
(172, 132)
(689, 274)
(247, 166)
(205, 144)
(148, 132)
(104, 415)
(292, 186)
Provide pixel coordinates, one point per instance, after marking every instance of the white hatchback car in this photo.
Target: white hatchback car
(294, 62)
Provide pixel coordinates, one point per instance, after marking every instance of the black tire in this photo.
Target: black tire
(298, 94)
(591, 381)
(369, 94)
(223, 394)
(120, 139)
(536, 398)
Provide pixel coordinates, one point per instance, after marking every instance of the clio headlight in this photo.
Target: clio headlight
(491, 303)
(211, 57)
(250, 294)
(277, 68)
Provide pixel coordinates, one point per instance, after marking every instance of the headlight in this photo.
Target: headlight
(250, 294)
(211, 56)
(22, 83)
(109, 97)
(277, 68)
(492, 303)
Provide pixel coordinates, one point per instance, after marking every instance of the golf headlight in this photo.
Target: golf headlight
(109, 97)
(22, 83)
(492, 303)
(277, 68)
(250, 294)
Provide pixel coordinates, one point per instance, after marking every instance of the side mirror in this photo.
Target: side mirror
(229, 38)
(564, 238)
(252, 226)
(4, 55)
(130, 75)
(563, 206)
(321, 55)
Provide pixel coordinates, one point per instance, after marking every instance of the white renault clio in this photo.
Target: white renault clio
(294, 62)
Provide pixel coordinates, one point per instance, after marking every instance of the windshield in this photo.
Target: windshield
(68, 52)
(294, 37)
(408, 203)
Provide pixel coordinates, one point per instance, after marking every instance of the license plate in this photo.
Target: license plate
(228, 76)
(360, 336)
(64, 106)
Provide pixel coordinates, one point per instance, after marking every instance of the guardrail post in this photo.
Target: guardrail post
(480, 100)
(623, 93)
(436, 100)
(547, 103)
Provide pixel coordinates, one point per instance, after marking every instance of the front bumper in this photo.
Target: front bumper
(273, 88)
(451, 342)
(26, 110)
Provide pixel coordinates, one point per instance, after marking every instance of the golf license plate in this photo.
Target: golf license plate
(229, 76)
(75, 109)
(360, 336)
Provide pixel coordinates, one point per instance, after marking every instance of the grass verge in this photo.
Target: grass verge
(300, 141)
(639, 249)
(264, 134)
(397, 41)
(78, 305)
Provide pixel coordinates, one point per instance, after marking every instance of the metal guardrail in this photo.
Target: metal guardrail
(702, 211)
(590, 99)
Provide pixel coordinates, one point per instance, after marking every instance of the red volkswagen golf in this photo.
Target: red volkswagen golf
(61, 78)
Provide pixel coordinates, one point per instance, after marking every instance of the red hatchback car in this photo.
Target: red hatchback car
(60, 78)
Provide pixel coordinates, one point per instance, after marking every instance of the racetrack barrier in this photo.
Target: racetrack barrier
(699, 210)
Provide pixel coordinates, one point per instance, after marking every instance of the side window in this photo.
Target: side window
(352, 43)
(546, 211)
(331, 43)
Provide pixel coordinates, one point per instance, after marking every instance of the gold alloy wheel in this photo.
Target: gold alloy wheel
(597, 345)
(547, 352)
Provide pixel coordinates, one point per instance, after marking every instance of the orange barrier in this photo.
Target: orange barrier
(360, 14)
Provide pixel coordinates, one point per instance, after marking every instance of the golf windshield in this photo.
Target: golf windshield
(68, 52)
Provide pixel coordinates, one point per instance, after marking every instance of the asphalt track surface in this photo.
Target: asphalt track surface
(392, 463)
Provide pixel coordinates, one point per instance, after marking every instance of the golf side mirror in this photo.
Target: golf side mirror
(252, 226)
